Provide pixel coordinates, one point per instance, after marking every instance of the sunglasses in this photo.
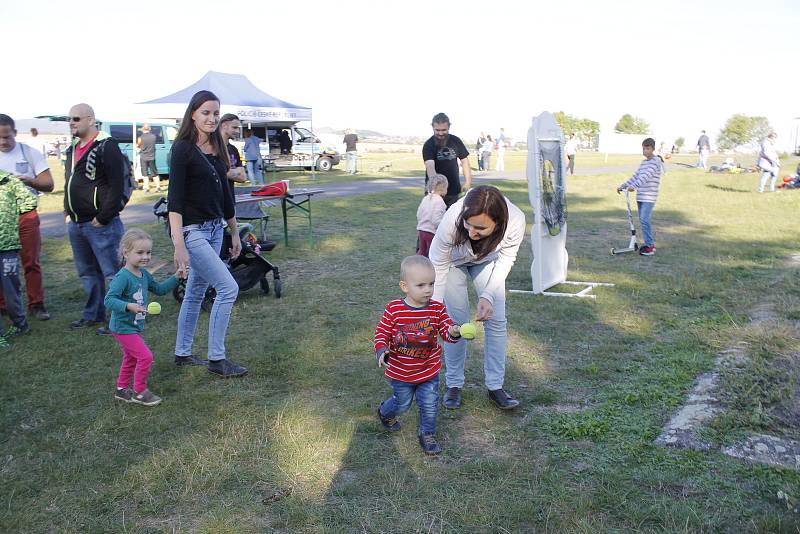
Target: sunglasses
(75, 119)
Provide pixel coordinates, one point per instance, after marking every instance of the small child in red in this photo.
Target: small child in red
(406, 345)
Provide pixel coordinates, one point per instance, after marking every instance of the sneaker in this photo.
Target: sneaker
(40, 312)
(503, 400)
(83, 323)
(189, 360)
(4, 343)
(429, 444)
(145, 398)
(389, 423)
(226, 368)
(103, 331)
(14, 331)
(124, 394)
(647, 251)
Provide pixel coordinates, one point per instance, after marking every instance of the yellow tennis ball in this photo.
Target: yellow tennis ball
(154, 308)
(468, 331)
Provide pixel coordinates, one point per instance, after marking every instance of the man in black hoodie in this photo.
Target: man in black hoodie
(93, 198)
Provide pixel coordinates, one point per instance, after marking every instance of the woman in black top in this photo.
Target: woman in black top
(200, 197)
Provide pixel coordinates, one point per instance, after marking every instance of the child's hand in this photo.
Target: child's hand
(382, 359)
(455, 331)
(135, 308)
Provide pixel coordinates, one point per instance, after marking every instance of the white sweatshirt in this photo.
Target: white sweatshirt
(444, 255)
(430, 212)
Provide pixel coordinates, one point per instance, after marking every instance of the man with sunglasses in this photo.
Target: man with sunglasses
(93, 198)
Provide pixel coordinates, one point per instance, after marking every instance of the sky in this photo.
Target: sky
(390, 66)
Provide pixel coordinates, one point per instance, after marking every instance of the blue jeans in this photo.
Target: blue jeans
(403, 393)
(253, 167)
(203, 242)
(645, 212)
(96, 253)
(765, 175)
(456, 300)
(10, 288)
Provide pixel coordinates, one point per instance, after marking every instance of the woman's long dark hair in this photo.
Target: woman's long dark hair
(188, 130)
(483, 200)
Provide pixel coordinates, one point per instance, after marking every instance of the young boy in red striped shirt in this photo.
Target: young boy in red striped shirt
(406, 345)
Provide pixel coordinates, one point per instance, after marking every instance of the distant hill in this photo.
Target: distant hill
(372, 136)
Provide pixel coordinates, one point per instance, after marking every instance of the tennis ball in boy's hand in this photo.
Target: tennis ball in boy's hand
(468, 331)
(154, 308)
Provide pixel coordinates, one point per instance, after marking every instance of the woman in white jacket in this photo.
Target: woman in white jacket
(478, 238)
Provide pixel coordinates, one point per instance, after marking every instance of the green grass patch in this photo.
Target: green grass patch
(295, 446)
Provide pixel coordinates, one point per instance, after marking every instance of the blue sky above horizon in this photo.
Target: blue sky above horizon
(389, 66)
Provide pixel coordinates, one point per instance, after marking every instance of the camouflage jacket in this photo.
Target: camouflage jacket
(15, 198)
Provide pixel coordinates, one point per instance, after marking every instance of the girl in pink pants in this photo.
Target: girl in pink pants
(127, 300)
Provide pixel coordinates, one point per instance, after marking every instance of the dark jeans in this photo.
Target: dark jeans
(10, 288)
(149, 167)
(96, 253)
(427, 394)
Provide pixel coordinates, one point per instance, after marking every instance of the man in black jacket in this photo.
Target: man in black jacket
(93, 198)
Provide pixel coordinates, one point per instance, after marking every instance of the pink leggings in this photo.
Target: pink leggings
(136, 362)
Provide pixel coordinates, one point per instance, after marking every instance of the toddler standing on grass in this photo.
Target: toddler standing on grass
(406, 345)
(127, 300)
(15, 198)
(430, 212)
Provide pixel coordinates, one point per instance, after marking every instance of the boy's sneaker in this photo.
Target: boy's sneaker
(4, 343)
(226, 368)
(189, 360)
(429, 444)
(14, 331)
(647, 251)
(145, 398)
(124, 394)
(389, 423)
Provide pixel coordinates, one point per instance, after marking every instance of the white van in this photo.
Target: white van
(306, 152)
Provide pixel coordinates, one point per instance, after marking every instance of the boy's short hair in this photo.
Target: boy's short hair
(409, 262)
(436, 181)
(649, 142)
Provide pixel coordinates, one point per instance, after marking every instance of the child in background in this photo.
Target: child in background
(15, 198)
(645, 182)
(406, 345)
(127, 300)
(430, 212)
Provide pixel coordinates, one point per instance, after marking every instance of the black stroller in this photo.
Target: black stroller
(249, 269)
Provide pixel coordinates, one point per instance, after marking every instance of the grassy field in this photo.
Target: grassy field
(295, 446)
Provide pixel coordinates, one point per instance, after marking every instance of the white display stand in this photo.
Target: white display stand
(550, 258)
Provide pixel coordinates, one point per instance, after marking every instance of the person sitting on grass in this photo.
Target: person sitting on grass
(15, 198)
(430, 212)
(645, 182)
(406, 345)
(127, 300)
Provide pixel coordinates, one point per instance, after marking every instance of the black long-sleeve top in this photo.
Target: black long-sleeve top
(198, 188)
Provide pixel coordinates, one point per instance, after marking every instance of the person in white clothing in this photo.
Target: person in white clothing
(768, 162)
(430, 212)
(571, 150)
(478, 239)
(501, 154)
